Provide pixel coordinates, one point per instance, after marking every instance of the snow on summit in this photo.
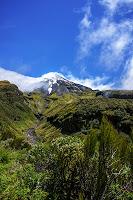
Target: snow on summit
(28, 84)
(48, 81)
(53, 76)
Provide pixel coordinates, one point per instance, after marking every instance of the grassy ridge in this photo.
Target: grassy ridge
(15, 115)
(52, 115)
(94, 162)
(72, 113)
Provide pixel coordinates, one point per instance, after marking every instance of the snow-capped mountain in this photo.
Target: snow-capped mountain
(47, 83)
(55, 82)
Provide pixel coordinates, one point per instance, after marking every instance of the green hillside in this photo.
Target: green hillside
(15, 115)
(69, 147)
(78, 113)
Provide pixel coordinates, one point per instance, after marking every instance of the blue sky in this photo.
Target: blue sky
(88, 41)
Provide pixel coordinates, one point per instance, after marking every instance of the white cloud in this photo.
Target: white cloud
(85, 22)
(94, 83)
(119, 45)
(115, 47)
(26, 83)
(127, 80)
(112, 5)
(114, 38)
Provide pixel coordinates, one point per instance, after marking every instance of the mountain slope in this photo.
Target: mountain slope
(69, 113)
(64, 147)
(15, 115)
(21, 117)
(48, 83)
(61, 86)
(79, 113)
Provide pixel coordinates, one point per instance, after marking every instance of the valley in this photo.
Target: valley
(74, 145)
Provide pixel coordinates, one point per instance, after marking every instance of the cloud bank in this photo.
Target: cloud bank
(114, 38)
(111, 34)
(26, 83)
(127, 79)
(113, 5)
(94, 83)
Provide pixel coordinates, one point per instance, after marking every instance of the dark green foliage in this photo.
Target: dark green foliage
(96, 167)
(78, 113)
(95, 162)
(15, 115)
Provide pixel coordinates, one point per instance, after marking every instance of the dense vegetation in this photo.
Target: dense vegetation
(15, 115)
(72, 147)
